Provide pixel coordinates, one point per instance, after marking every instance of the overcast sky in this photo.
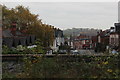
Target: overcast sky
(63, 15)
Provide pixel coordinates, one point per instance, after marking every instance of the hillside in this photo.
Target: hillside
(77, 31)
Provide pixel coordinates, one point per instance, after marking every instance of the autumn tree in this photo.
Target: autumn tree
(8, 16)
(25, 20)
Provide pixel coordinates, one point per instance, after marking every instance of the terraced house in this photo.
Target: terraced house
(13, 37)
(82, 42)
(115, 37)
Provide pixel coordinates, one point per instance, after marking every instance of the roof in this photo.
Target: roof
(82, 39)
(105, 33)
(114, 33)
(117, 24)
(18, 33)
(13, 32)
(85, 39)
(7, 33)
(58, 33)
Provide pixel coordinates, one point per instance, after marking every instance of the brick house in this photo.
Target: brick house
(114, 39)
(94, 41)
(102, 40)
(103, 37)
(69, 41)
(82, 42)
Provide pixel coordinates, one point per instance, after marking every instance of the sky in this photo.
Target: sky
(64, 15)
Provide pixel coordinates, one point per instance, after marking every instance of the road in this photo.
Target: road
(87, 52)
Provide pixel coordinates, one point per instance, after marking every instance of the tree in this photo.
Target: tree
(25, 20)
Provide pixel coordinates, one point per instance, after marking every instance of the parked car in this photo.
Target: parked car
(74, 52)
(62, 51)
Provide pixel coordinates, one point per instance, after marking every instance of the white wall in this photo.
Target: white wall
(99, 39)
(56, 42)
(114, 39)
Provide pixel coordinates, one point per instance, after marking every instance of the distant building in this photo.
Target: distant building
(94, 41)
(117, 27)
(109, 39)
(82, 42)
(114, 39)
(58, 39)
(115, 36)
(69, 41)
(103, 37)
(102, 40)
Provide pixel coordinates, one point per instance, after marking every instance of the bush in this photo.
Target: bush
(23, 49)
(71, 67)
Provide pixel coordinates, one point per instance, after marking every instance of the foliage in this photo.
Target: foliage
(23, 49)
(100, 47)
(71, 67)
(65, 47)
(84, 31)
(20, 48)
(35, 50)
(5, 49)
(29, 23)
(8, 75)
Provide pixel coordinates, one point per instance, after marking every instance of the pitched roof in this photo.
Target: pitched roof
(7, 33)
(58, 33)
